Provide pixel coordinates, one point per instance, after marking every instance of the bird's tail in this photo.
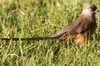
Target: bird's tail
(34, 38)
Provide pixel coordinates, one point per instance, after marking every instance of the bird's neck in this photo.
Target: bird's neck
(88, 14)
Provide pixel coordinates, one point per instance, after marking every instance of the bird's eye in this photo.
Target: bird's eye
(94, 9)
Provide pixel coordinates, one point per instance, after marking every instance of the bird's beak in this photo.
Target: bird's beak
(96, 10)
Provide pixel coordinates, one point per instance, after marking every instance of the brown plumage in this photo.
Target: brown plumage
(82, 28)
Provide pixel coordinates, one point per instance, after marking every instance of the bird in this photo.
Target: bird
(78, 31)
(82, 28)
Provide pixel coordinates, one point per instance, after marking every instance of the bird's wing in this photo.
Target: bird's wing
(68, 29)
(85, 26)
(76, 27)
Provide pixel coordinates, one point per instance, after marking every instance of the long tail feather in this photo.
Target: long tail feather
(34, 38)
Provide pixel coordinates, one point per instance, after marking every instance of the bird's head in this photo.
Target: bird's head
(89, 8)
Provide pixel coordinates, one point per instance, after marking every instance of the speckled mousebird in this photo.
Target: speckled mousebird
(82, 28)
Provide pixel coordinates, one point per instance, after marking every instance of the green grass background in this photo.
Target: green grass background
(39, 18)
